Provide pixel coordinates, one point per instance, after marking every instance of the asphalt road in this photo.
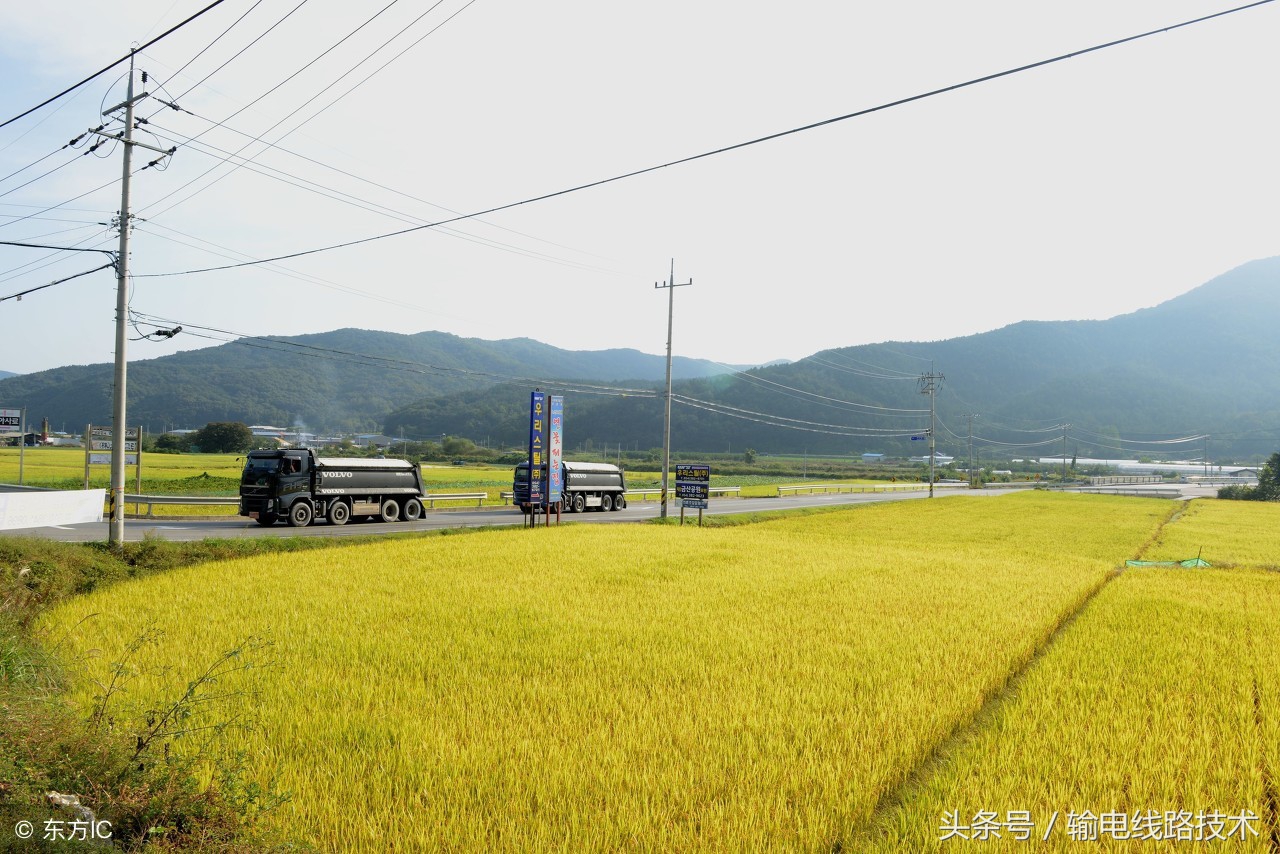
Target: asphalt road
(199, 528)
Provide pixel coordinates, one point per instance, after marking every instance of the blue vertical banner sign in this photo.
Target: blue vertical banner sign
(555, 450)
(537, 446)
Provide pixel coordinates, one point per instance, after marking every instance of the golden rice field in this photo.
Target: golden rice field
(1162, 698)
(1238, 533)
(763, 687)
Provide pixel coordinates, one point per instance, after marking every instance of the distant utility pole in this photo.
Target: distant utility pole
(670, 284)
(972, 479)
(929, 384)
(1065, 428)
(115, 531)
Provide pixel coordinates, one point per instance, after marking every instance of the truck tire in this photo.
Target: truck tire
(390, 511)
(300, 514)
(266, 520)
(579, 503)
(412, 510)
(619, 501)
(606, 502)
(339, 513)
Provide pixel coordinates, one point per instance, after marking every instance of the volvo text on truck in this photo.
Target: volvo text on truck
(296, 485)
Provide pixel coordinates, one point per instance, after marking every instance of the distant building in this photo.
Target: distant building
(873, 458)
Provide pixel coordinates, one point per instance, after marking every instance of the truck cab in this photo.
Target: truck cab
(272, 481)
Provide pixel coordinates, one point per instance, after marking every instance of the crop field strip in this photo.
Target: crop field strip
(1162, 697)
(763, 686)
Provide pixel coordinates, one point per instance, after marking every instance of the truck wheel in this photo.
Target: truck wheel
(412, 511)
(606, 502)
(339, 513)
(619, 501)
(390, 510)
(300, 514)
(266, 520)
(579, 503)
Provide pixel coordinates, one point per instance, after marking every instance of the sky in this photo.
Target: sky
(1081, 189)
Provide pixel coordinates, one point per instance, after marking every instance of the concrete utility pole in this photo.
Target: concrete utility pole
(115, 530)
(972, 478)
(1065, 428)
(929, 384)
(670, 285)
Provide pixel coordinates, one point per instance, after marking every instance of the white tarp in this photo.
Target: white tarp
(40, 509)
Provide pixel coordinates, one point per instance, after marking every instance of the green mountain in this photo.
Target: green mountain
(1204, 362)
(349, 379)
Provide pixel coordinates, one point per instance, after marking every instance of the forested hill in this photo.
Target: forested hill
(1207, 361)
(348, 379)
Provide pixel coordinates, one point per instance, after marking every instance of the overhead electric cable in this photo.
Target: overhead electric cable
(235, 56)
(740, 145)
(710, 404)
(20, 294)
(814, 396)
(392, 361)
(122, 59)
(859, 372)
(826, 355)
(275, 88)
(238, 161)
(849, 432)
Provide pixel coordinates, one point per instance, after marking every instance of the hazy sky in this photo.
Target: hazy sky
(1086, 188)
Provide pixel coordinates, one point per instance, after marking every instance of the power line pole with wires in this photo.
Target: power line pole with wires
(972, 478)
(670, 284)
(929, 384)
(115, 529)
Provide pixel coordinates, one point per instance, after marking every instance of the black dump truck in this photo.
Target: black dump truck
(297, 485)
(598, 485)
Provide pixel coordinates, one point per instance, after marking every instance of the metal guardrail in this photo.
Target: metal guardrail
(645, 494)
(1136, 490)
(864, 487)
(205, 500)
(431, 498)
(150, 501)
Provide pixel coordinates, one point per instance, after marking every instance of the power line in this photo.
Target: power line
(277, 86)
(736, 146)
(307, 185)
(119, 61)
(839, 432)
(383, 361)
(20, 294)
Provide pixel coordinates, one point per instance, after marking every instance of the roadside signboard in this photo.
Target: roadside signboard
(12, 421)
(693, 485)
(537, 445)
(555, 450)
(98, 442)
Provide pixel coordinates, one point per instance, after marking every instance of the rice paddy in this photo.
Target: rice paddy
(841, 679)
